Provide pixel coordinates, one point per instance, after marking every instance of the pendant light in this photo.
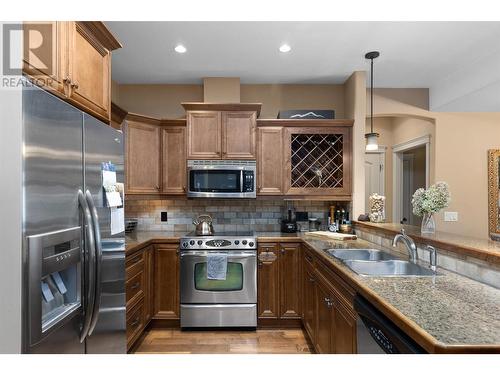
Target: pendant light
(371, 138)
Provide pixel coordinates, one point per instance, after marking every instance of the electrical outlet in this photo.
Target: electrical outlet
(163, 216)
(450, 216)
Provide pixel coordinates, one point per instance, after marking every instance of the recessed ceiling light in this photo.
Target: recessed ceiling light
(180, 48)
(285, 48)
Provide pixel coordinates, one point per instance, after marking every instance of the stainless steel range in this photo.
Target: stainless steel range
(229, 301)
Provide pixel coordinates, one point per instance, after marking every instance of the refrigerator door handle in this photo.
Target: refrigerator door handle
(98, 261)
(89, 265)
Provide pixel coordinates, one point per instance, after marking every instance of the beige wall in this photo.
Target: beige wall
(115, 92)
(221, 90)
(394, 131)
(355, 108)
(282, 97)
(162, 101)
(383, 126)
(461, 141)
(416, 98)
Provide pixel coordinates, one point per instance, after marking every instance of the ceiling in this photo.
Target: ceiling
(413, 54)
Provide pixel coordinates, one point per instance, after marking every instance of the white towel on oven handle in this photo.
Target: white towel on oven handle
(216, 266)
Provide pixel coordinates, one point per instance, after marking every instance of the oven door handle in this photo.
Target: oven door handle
(205, 253)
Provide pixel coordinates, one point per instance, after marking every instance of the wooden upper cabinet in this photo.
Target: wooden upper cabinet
(89, 70)
(204, 134)
(238, 135)
(80, 62)
(318, 161)
(174, 160)
(142, 157)
(270, 161)
(45, 54)
(221, 131)
(290, 281)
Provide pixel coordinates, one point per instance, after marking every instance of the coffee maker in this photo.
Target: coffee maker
(289, 223)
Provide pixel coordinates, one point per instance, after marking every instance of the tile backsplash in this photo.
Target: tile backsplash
(227, 214)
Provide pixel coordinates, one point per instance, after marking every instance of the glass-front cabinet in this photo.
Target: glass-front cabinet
(318, 161)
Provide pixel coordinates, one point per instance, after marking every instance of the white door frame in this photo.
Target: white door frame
(381, 150)
(397, 170)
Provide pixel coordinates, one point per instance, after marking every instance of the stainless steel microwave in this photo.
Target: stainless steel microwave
(221, 178)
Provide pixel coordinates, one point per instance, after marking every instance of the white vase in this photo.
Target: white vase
(428, 224)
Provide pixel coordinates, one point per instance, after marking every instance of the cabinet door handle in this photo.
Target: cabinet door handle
(311, 279)
(75, 85)
(136, 285)
(282, 251)
(157, 187)
(135, 322)
(67, 86)
(184, 189)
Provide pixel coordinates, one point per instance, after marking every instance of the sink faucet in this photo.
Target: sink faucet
(433, 257)
(409, 243)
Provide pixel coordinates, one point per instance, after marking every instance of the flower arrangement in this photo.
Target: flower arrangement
(432, 200)
(427, 202)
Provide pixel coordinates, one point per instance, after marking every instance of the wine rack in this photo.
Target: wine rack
(317, 160)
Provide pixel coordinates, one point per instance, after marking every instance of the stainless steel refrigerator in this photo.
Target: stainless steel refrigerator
(74, 268)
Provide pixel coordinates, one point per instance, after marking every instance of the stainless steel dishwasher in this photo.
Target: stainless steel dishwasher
(376, 334)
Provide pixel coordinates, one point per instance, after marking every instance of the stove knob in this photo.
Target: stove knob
(236, 242)
(200, 242)
(191, 242)
(244, 242)
(185, 244)
(251, 244)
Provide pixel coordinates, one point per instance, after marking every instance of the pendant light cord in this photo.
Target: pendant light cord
(371, 96)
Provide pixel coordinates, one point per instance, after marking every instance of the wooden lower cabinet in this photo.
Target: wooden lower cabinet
(308, 300)
(268, 282)
(138, 293)
(344, 330)
(323, 318)
(149, 284)
(290, 285)
(329, 318)
(279, 286)
(166, 283)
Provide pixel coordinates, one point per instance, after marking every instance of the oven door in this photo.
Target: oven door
(240, 285)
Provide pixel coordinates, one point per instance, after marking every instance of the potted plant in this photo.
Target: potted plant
(427, 202)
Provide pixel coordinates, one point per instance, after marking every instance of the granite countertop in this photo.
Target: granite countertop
(452, 309)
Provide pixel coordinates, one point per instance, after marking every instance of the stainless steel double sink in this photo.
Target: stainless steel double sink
(378, 263)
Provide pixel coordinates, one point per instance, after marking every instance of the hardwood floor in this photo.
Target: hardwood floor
(269, 341)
